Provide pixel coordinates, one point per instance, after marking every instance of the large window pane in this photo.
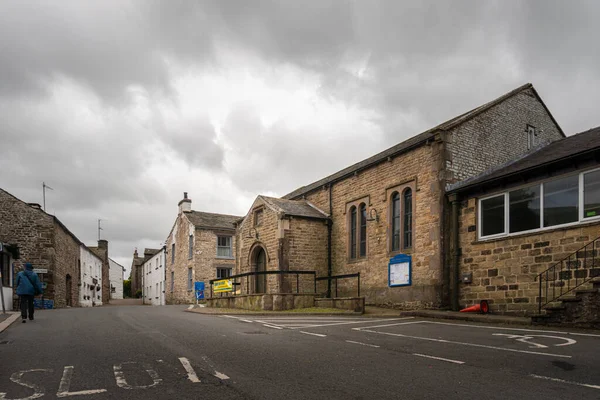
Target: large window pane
(591, 194)
(353, 232)
(561, 201)
(396, 222)
(407, 227)
(524, 209)
(224, 246)
(492, 216)
(363, 230)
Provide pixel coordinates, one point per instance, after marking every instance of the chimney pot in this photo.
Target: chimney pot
(185, 195)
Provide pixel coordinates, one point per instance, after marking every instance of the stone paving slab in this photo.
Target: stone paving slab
(7, 319)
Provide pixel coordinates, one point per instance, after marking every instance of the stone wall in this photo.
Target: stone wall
(498, 135)
(206, 253)
(180, 234)
(66, 264)
(504, 270)
(307, 250)
(420, 170)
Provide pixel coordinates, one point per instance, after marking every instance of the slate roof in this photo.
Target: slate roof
(211, 221)
(298, 208)
(559, 150)
(415, 141)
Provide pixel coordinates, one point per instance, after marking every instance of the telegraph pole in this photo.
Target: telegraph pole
(44, 187)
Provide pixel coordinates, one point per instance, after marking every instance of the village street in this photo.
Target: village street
(141, 352)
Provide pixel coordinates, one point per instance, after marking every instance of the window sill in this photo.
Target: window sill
(405, 251)
(225, 258)
(357, 260)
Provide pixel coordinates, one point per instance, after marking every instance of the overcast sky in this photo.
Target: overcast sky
(121, 106)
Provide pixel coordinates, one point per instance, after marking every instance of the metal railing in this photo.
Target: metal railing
(335, 278)
(257, 282)
(569, 273)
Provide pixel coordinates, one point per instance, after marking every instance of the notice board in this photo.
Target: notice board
(400, 270)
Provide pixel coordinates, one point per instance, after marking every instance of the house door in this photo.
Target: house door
(69, 285)
(261, 265)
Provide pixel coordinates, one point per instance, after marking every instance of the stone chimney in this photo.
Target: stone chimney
(185, 204)
(103, 244)
(135, 253)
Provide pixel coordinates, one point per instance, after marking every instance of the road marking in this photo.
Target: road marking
(246, 320)
(362, 344)
(190, 307)
(382, 326)
(314, 334)
(510, 329)
(467, 344)
(439, 358)
(563, 381)
(188, 367)
(122, 382)
(349, 323)
(38, 391)
(220, 375)
(65, 384)
(272, 326)
(526, 339)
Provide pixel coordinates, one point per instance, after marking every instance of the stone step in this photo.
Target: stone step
(585, 291)
(555, 309)
(570, 299)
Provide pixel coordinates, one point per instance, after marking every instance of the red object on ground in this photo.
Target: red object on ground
(482, 307)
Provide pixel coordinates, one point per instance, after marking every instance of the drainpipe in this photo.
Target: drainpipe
(455, 252)
(329, 229)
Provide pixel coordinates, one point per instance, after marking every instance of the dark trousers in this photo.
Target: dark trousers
(26, 305)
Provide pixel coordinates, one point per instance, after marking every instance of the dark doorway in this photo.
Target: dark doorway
(260, 260)
(68, 291)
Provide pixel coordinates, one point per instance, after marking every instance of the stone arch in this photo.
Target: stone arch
(258, 261)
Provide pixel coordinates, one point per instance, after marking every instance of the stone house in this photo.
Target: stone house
(153, 281)
(395, 202)
(42, 239)
(281, 235)
(116, 279)
(90, 278)
(531, 216)
(200, 247)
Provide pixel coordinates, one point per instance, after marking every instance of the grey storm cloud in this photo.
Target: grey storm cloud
(404, 66)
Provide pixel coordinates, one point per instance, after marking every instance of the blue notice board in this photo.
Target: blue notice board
(47, 304)
(199, 289)
(400, 270)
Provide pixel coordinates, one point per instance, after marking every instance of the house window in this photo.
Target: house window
(223, 273)
(561, 203)
(190, 280)
(407, 216)
(172, 281)
(224, 247)
(591, 194)
(173, 253)
(363, 230)
(191, 247)
(532, 137)
(353, 232)
(524, 209)
(395, 221)
(258, 217)
(564, 201)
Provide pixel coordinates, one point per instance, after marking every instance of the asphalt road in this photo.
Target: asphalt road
(146, 352)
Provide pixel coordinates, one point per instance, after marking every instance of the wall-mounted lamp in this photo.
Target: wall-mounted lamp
(371, 217)
(250, 236)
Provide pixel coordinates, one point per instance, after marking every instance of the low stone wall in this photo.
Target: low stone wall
(356, 304)
(280, 302)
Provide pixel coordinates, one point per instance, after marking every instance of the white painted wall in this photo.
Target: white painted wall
(90, 278)
(7, 292)
(153, 279)
(116, 279)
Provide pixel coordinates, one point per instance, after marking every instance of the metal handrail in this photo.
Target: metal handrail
(564, 270)
(247, 275)
(345, 276)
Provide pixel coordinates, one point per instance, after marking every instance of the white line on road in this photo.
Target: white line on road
(314, 334)
(65, 385)
(354, 322)
(272, 326)
(509, 329)
(246, 320)
(220, 375)
(122, 382)
(563, 381)
(188, 367)
(382, 326)
(467, 344)
(439, 358)
(362, 344)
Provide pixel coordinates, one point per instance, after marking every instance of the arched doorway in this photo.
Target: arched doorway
(69, 285)
(260, 263)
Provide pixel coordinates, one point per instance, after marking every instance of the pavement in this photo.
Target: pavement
(133, 352)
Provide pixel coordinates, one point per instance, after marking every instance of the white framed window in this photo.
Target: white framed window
(560, 202)
(224, 249)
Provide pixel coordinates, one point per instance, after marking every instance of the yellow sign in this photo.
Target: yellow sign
(223, 285)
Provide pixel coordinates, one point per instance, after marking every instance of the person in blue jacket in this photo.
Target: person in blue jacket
(28, 286)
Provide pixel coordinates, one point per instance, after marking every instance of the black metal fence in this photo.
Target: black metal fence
(334, 280)
(568, 274)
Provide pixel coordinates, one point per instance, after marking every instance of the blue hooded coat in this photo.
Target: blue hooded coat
(24, 286)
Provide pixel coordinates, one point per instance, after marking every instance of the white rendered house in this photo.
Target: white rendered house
(153, 279)
(116, 271)
(90, 278)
